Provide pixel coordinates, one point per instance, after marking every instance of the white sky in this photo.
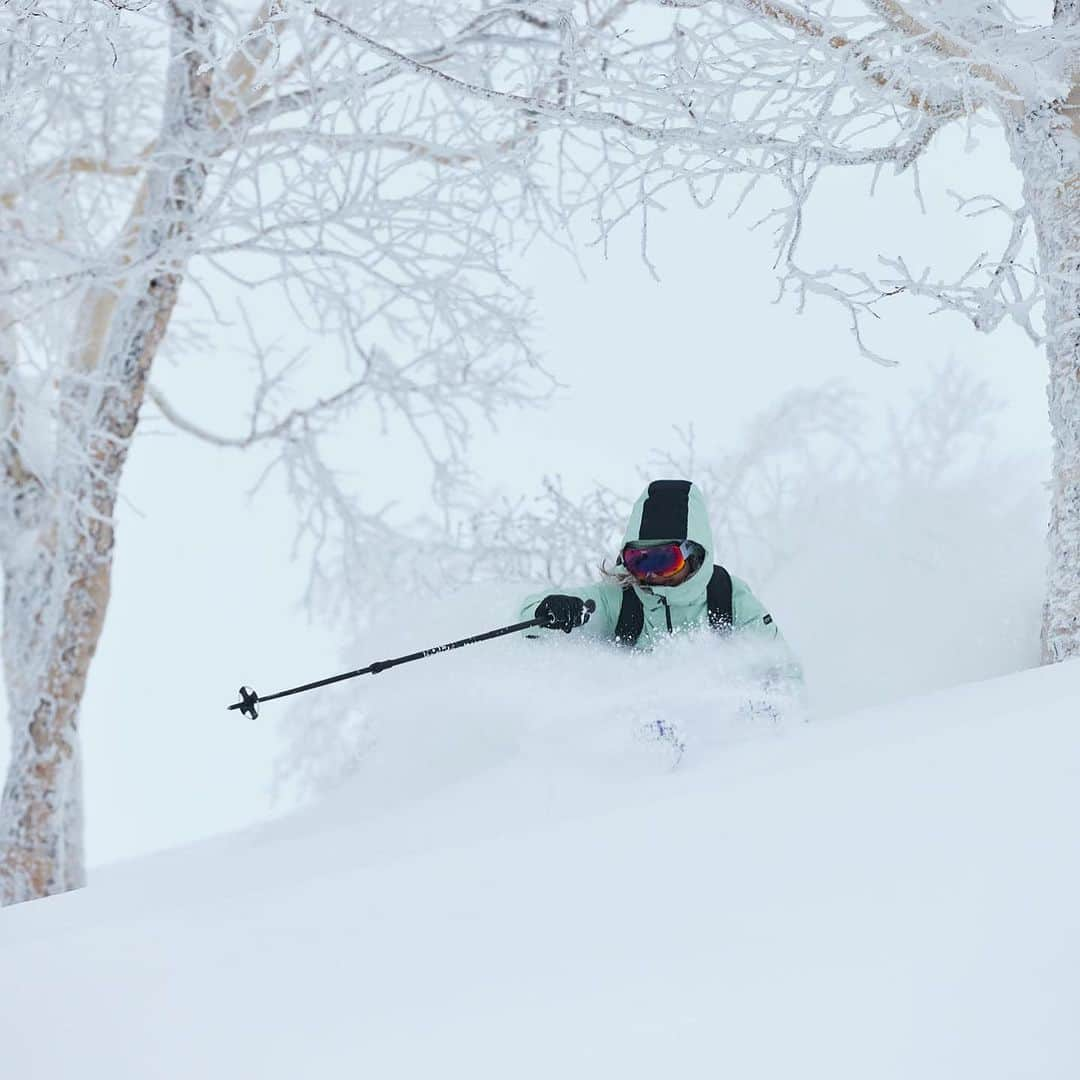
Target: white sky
(205, 595)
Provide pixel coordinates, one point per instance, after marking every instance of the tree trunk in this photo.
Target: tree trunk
(58, 573)
(53, 612)
(1047, 149)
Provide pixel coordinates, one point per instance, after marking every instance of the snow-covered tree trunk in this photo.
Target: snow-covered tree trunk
(1046, 146)
(1058, 226)
(59, 563)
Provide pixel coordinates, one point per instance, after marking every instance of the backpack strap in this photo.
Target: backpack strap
(631, 618)
(717, 597)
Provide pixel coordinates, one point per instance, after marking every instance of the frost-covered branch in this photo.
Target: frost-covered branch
(776, 95)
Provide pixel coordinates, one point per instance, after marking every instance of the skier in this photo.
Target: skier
(664, 581)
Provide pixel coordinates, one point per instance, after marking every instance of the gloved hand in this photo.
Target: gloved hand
(564, 612)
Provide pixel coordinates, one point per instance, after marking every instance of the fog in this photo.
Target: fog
(889, 574)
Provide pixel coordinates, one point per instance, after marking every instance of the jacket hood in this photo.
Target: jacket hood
(674, 510)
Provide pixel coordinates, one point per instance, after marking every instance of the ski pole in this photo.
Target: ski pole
(249, 700)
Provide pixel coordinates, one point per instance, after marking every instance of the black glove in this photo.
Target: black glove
(564, 612)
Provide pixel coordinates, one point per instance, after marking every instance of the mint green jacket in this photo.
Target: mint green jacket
(686, 603)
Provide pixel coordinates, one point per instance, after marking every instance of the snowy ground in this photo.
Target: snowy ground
(895, 893)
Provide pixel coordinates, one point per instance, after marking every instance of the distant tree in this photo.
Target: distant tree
(155, 147)
(696, 92)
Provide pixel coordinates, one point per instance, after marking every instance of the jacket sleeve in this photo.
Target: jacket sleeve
(750, 618)
(602, 622)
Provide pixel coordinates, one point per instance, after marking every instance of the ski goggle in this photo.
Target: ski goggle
(656, 560)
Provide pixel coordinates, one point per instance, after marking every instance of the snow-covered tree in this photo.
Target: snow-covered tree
(162, 158)
(657, 93)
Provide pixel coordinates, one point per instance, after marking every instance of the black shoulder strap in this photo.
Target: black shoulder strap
(718, 598)
(631, 618)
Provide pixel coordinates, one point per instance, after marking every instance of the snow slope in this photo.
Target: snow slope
(892, 894)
